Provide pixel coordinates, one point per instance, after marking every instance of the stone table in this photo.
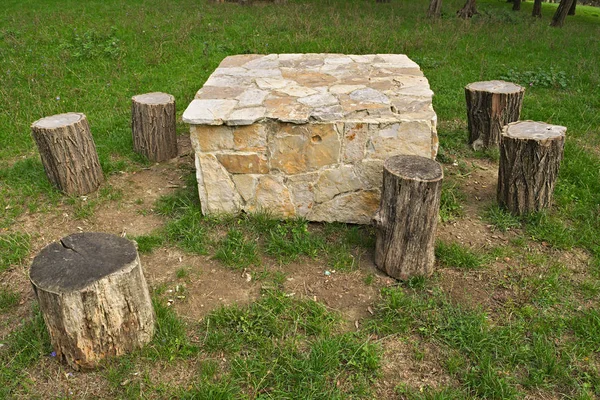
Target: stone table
(307, 134)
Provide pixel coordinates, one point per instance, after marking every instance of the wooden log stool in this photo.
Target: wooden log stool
(490, 106)
(93, 296)
(68, 153)
(530, 156)
(153, 126)
(407, 218)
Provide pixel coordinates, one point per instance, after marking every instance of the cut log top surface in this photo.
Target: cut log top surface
(57, 121)
(533, 130)
(495, 87)
(80, 259)
(414, 167)
(153, 98)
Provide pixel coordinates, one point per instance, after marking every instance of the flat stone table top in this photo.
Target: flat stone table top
(304, 88)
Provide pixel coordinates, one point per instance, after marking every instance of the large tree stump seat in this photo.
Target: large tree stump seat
(490, 106)
(407, 218)
(93, 296)
(68, 153)
(530, 156)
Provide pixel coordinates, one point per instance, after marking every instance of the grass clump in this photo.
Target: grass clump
(14, 247)
(501, 219)
(454, 255)
(147, 243)
(235, 251)
(450, 202)
(8, 299)
(281, 346)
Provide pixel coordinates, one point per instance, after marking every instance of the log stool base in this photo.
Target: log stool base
(407, 217)
(68, 153)
(93, 297)
(153, 126)
(490, 106)
(530, 156)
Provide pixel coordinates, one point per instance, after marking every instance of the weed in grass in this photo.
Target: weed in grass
(91, 44)
(369, 279)
(237, 252)
(8, 299)
(501, 219)
(586, 325)
(14, 247)
(170, 339)
(291, 239)
(550, 78)
(182, 273)
(147, 243)
(455, 255)
(450, 204)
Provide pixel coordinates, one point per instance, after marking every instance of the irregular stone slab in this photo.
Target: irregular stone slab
(307, 134)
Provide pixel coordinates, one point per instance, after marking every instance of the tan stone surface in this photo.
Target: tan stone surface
(241, 163)
(306, 134)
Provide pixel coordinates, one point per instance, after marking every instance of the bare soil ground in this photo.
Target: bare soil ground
(210, 284)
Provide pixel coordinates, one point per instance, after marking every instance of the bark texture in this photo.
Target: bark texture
(153, 126)
(490, 106)
(68, 153)
(93, 296)
(573, 8)
(537, 9)
(435, 9)
(530, 156)
(468, 10)
(558, 19)
(407, 218)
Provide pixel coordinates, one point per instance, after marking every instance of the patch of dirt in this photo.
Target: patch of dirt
(413, 364)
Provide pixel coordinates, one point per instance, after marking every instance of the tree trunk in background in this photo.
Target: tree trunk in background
(407, 218)
(516, 5)
(573, 7)
(537, 9)
(435, 9)
(468, 10)
(558, 19)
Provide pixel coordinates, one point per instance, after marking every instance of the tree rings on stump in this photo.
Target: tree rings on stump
(407, 218)
(93, 296)
(153, 126)
(490, 106)
(530, 156)
(68, 153)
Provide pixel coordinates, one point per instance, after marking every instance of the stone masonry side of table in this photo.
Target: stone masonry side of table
(307, 134)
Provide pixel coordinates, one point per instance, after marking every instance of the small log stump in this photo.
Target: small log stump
(490, 106)
(153, 126)
(93, 297)
(68, 153)
(407, 217)
(530, 156)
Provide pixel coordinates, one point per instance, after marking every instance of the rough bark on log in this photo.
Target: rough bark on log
(68, 153)
(407, 217)
(530, 156)
(490, 106)
(93, 296)
(153, 126)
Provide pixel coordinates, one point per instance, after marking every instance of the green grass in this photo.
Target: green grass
(93, 56)
(454, 255)
(14, 247)
(8, 299)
